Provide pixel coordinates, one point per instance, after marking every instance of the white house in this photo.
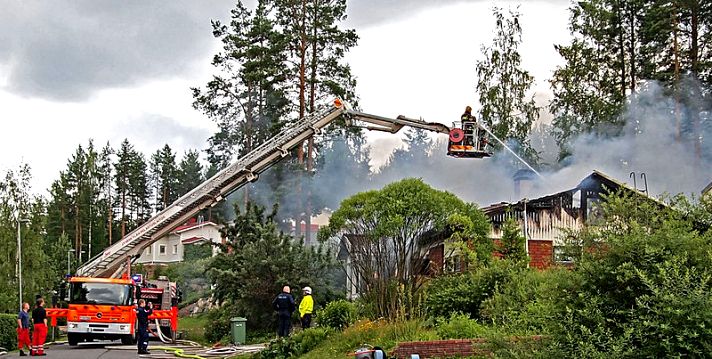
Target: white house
(170, 249)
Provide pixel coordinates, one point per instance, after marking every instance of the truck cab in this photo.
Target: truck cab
(101, 308)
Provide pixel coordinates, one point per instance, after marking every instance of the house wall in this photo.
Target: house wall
(173, 251)
(174, 247)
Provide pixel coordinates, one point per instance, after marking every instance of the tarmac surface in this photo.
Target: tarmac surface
(93, 350)
(114, 350)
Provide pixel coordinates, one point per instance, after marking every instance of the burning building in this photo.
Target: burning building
(546, 220)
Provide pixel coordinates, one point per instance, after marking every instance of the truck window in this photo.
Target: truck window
(101, 293)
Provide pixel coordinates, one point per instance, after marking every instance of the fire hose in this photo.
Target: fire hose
(160, 334)
(3, 351)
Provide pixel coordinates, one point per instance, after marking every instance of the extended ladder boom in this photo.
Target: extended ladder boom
(244, 170)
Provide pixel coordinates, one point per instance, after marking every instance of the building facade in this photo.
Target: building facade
(171, 248)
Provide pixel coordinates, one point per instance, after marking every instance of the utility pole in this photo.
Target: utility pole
(19, 256)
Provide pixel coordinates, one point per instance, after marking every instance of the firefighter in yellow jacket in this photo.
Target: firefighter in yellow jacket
(306, 307)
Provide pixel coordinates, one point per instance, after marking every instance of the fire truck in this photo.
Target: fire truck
(105, 309)
(102, 297)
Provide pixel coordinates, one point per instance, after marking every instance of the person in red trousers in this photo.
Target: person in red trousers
(39, 321)
(23, 329)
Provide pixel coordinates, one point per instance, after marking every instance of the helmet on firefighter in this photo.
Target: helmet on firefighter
(468, 110)
(307, 290)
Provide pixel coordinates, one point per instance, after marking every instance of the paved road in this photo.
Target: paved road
(93, 350)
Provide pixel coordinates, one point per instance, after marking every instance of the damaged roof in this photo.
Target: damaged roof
(595, 182)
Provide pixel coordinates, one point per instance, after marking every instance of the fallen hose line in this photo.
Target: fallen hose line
(179, 352)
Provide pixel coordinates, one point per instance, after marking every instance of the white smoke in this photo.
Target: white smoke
(647, 145)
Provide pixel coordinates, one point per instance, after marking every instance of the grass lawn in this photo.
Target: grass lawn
(385, 335)
(193, 327)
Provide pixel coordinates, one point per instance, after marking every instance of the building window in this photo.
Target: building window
(175, 249)
(149, 250)
(162, 249)
(566, 254)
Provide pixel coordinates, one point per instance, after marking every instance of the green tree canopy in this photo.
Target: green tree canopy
(258, 260)
(388, 232)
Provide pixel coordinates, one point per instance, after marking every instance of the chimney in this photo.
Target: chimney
(523, 183)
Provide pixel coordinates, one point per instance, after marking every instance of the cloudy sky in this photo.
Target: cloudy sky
(110, 70)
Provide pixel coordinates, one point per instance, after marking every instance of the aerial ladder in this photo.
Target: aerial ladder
(111, 262)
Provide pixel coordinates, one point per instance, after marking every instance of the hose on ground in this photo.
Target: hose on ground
(179, 352)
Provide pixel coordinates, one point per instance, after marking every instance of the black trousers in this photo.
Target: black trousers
(285, 325)
(306, 321)
(142, 339)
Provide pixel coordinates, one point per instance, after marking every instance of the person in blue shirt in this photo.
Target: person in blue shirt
(23, 329)
(284, 305)
(142, 314)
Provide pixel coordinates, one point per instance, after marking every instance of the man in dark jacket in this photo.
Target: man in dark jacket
(284, 305)
(142, 314)
(23, 329)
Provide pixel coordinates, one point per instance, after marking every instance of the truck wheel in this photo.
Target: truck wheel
(72, 339)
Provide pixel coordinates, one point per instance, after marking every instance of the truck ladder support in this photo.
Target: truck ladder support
(246, 169)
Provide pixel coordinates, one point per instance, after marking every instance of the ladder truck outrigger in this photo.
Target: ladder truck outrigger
(103, 295)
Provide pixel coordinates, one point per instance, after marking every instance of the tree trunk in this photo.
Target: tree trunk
(694, 65)
(676, 78)
(123, 214)
(109, 221)
(621, 47)
(312, 108)
(302, 107)
(631, 47)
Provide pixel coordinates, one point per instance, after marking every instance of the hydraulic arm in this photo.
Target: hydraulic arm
(246, 169)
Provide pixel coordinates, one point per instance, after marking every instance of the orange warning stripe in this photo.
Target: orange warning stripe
(461, 147)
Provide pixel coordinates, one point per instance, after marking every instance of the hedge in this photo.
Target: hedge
(8, 333)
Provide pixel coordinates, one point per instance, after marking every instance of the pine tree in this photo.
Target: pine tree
(164, 177)
(316, 46)
(503, 85)
(105, 204)
(190, 172)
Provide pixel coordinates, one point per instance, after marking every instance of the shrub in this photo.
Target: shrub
(460, 326)
(300, 343)
(8, 333)
(465, 292)
(219, 328)
(337, 314)
(525, 305)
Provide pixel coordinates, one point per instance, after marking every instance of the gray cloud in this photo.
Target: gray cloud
(66, 50)
(373, 12)
(150, 132)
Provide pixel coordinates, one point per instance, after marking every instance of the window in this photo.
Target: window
(566, 254)
(175, 249)
(101, 293)
(149, 250)
(162, 249)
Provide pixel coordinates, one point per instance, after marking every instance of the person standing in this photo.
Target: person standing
(284, 305)
(23, 329)
(39, 325)
(306, 308)
(142, 314)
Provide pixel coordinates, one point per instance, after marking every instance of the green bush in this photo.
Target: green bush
(465, 292)
(8, 332)
(529, 300)
(337, 314)
(219, 328)
(460, 326)
(643, 286)
(300, 343)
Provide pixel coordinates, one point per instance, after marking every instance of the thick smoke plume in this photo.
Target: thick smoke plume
(647, 145)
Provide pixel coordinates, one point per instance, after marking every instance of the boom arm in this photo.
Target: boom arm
(244, 170)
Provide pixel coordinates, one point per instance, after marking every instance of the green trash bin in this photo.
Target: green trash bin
(238, 327)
